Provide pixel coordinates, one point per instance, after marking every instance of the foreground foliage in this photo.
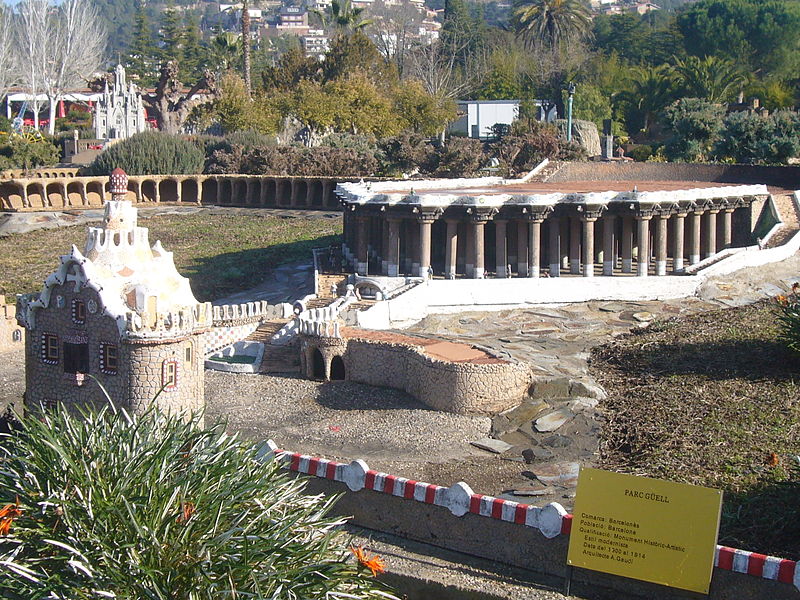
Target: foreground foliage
(105, 504)
(712, 400)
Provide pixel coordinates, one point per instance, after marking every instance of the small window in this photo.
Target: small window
(109, 358)
(49, 349)
(188, 354)
(78, 312)
(169, 374)
(76, 358)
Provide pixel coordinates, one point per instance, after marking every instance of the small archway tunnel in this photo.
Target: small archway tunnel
(318, 364)
(337, 369)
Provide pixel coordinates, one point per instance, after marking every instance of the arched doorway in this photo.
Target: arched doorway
(318, 364)
(337, 369)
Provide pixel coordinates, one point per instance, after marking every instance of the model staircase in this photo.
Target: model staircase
(277, 359)
(319, 303)
(545, 174)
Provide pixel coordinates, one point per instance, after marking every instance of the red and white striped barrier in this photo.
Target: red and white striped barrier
(551, 520)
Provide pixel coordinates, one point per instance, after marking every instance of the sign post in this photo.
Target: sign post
(647, 529)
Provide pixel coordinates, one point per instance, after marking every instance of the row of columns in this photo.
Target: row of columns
(580, 257)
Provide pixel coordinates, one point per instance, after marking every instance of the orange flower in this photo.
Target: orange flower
(7, 515)
(781, 299)
(375, 563)
(773, 459)
(187, 510)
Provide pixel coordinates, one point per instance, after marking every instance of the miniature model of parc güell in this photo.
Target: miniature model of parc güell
(120, 312)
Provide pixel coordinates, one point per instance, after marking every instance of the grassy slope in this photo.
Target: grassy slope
(712, 400)
(220, 254)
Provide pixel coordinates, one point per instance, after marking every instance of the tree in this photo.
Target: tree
(753, 138)
(650, 90)
(394, 29)
(33, 45)
(343, 17)
(762, 34)
(235, 110)
(246, 46)
(551, 22)
(170, 35)
(292, 67)
(195, 55)
(356, 52)
(6, 50)
(420, 112)
(112, 505)
(362, 108)
(713, 78)
(170, 105)
(696, 125)
(77, 44)
(142, 53)
(226, 51)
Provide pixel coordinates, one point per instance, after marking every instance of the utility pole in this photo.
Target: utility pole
(246, 45)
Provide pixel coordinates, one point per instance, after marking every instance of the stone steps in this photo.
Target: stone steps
(266, 330)
(781, 236)
(324, 282)
(280, 359)
(785, 205)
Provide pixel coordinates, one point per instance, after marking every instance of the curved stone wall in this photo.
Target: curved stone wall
(67, 191)
(485, 387)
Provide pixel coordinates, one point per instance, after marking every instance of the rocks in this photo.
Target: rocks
(643, 316)
(582, 389)
(557, 441)
(492, 445)
(549, 387)
(553, 420)
(564, 474)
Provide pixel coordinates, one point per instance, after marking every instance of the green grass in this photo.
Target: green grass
(712, 400)
(220, 254)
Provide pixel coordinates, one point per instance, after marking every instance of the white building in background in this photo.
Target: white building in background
(315, 43)
(478, 116)
(119, 112)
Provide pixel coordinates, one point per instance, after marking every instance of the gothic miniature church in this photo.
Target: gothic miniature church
(119, 312)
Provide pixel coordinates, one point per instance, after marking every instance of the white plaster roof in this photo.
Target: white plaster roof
(497, 192)
(129, 277)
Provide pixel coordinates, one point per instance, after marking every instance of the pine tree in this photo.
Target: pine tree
(194, 53)
(142, 51)
(171, 34)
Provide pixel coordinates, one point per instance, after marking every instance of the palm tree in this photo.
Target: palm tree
(226, 51)
(344, 17)
(651, 90)
(551, 22)
(712, 78)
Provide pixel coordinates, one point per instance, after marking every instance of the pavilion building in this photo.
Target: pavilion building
(483, 227)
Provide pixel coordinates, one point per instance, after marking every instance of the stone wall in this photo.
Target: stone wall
(456, 387)
(12, 336)
(140, 365)
(234, 322)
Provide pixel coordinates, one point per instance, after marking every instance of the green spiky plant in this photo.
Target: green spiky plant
(104, 504)
(789, 317)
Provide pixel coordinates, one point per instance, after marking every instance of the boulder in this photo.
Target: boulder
(583, 132)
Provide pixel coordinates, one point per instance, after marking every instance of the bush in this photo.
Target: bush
(641, 152)
(150, 153)
(530, 143)
(27, 151)
(291, 160)
(406, 152)
(750, 138)
(459, 157)
(696, 124)
(104, 504)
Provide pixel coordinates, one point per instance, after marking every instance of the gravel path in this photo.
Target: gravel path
(340, 419)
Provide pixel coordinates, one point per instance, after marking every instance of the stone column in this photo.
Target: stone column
(534, 245)
(393, 262)
(451, 249)
(554, 250)
(362, 260)
(661, 244)
(385, 246)
(501, 261)
(679, 221)
(711, 233)
(522, 248)
(424, 246)
(727, 228)
(643, 236)
(469, 251)
(574, 245)
(609, 258)
(694, 237)
(477, 236)
(626, 244)
(588, 245)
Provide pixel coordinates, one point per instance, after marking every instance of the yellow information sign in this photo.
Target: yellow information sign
(647, 529)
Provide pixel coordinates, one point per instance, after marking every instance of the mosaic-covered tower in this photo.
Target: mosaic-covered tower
(120, 312)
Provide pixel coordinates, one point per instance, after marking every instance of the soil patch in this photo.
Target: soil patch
(711, 399)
